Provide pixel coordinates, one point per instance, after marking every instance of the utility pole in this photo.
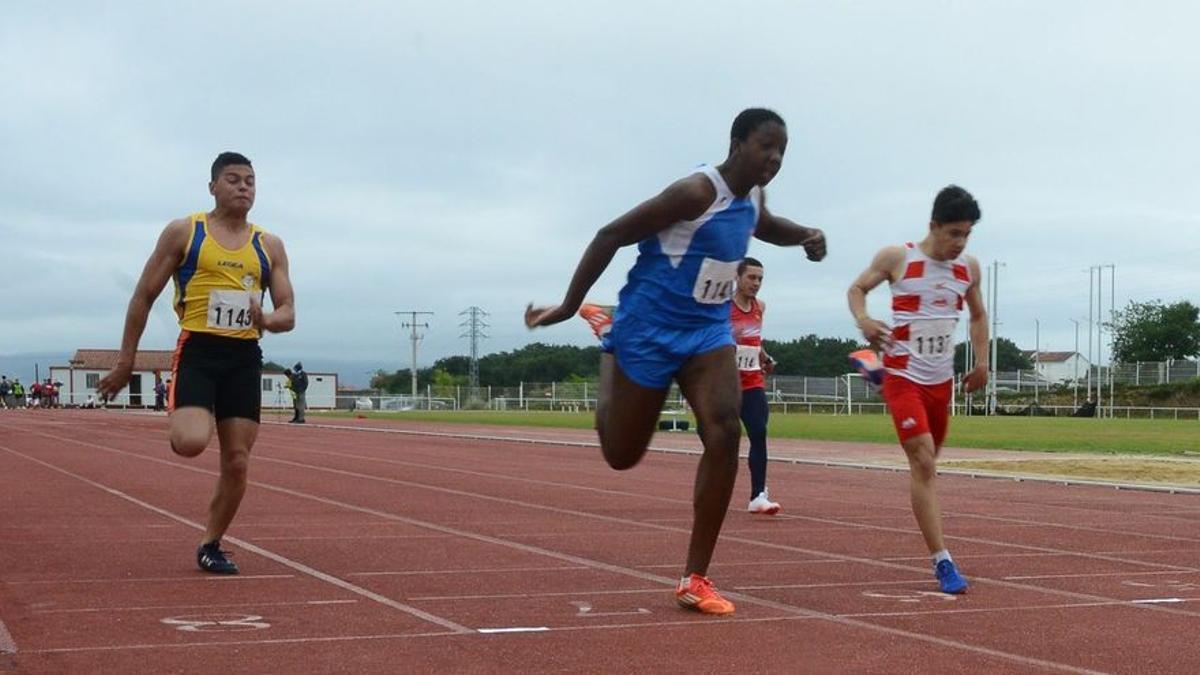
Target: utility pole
(1112, 322)
(1075, 359)
(1091, 356)
(1037, 359)
(993, 307)
(474, 325)
(415, 324)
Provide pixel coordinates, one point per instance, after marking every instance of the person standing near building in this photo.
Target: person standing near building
(298, 383)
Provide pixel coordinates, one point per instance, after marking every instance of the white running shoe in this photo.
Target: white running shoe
(763, 505)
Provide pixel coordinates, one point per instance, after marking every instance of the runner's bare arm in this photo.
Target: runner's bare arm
(978, 377)
(168, 253)
(882, 268)
(686, 199)
(768, 363)
(283, 318)
(780, 231)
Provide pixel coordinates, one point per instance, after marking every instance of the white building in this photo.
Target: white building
(81, 377)
(1059, 367)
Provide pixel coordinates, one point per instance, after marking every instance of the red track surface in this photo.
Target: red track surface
(369, 551)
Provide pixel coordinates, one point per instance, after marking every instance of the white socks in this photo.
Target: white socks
(940, 556)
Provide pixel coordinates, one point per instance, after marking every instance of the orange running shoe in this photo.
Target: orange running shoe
(599, 317)
(696, 592)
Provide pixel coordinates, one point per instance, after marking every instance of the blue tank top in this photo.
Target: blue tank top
(685, 275)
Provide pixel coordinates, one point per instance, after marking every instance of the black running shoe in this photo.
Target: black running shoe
(211, 558)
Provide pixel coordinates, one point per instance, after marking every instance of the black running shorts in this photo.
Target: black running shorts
(218, 373)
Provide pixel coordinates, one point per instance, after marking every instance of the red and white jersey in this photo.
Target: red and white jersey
(926, 303)
(747, 333)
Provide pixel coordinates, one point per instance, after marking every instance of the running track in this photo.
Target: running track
(385, 550)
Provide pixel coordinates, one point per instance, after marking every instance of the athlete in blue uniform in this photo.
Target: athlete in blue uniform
(672, 321)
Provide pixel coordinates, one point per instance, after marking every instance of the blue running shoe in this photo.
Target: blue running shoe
(948, 577)
(211, 558)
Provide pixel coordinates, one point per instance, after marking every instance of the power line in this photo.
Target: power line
(474, 325)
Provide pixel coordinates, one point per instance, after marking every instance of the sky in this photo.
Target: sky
(438, 156)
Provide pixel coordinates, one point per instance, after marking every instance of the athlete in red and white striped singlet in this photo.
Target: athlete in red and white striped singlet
(931, 282)
(926, 302)
(753, 363)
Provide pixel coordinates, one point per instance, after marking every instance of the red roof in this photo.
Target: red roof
(104, 359)
(1049, 357)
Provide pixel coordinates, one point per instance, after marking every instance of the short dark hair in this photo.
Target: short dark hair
(228, 159)
(750, 119)
(747, 262)
(954, 204)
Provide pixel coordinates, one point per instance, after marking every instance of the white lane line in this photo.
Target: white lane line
(215, 607)
(612, 519)
(1103, 574)
(466, 571)
(970, 473)
(515, 629)
(754, 563)
(617, 569)
(7, 644)
(1154, 601)
(206, 578)
(288, 562)
(838, 522)
(241, 643)
(553, 594)
(922, 580)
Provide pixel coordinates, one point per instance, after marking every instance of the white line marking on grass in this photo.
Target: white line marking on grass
(298, 566)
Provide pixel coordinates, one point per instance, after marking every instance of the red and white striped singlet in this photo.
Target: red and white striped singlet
(926, 303)
(747, 334)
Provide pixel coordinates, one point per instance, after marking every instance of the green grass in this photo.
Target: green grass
(1058, 434)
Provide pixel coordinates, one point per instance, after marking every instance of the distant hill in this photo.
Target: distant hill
(24, 366)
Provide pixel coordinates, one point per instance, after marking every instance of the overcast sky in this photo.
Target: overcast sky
(434, 156)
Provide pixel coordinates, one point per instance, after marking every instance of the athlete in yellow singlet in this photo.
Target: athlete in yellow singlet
(222, 266)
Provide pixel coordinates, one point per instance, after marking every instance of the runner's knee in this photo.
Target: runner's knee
(187, 444)
(235, 465)
(621, 455)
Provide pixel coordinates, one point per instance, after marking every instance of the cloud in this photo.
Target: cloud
(437, 156)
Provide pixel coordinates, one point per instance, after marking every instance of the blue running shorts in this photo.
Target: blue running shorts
(650, 354)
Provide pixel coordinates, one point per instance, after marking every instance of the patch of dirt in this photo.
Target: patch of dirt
(1154, 471)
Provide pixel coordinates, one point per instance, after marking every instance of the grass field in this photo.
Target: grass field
(1152, 437)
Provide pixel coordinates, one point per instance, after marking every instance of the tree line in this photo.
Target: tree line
(1143, 331)
(810, 355)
